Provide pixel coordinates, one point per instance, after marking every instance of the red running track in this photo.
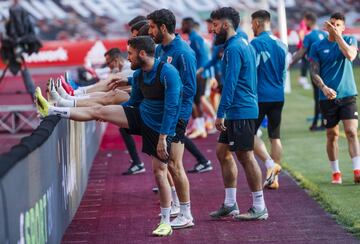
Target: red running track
(123, 209)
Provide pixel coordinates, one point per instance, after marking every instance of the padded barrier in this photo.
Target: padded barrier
(43, 178)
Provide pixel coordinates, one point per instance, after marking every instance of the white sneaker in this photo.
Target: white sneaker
(175, 210)
(303, 81)
(181, 222)
(307, 86)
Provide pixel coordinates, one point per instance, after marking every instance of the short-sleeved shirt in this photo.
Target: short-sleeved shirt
(312, 37)
(271, 67)
(335, 69)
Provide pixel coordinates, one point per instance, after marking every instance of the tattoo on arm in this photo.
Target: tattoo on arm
(315, 74)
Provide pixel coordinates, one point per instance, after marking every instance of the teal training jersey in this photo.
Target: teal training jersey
(335, 69)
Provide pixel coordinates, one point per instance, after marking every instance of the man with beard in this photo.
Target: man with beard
(217, 50)
(174, 50)
(115, 62)
(271, 73)
(151, 112)
(236, 116)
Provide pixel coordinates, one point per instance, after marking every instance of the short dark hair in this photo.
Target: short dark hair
(338, 15)
(138, 25)
(262, 15)
(145, 43)
(136, 20)
(227, 13)
(163, 17)
(113, 53)
(310, 16)
(190, 20)
(209, 20)
(144, 30)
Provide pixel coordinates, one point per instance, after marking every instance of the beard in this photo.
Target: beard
(137, 64)
(158, 38)
(221, 37)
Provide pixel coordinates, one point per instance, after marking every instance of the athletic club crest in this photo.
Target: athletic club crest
(169, 59)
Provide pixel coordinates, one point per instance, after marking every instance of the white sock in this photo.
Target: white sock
(59, 101)
(174, 196)
(356, 162)
(196, 123)
(53, 95)
(82, 97)
(185, 209)
(62, 112)
(79, 92)
(165, 215)
(63, 93)
(201, 123)
(66, 103)
(230, 197)
(269, 163)
(258, 200)
(335, 166)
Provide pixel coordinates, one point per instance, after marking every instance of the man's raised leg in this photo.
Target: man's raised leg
(113, 113)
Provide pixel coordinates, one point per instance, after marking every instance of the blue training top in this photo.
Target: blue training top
(182, 57)
(159, 115)
(242, 34)
(239, 99)
(335, 69)
(215, 58)
(312, 37)
(197, 44)
(271, 67)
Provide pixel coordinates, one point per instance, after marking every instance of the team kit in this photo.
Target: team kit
(166, 89)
